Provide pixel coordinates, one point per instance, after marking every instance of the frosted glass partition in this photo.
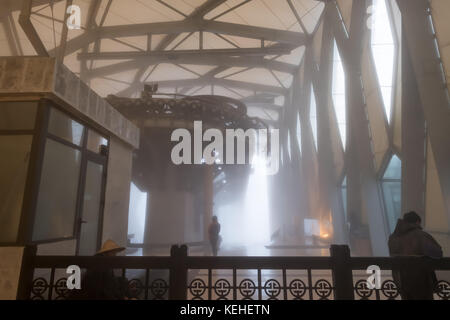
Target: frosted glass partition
(313, 116)
(299, 134)
(392, 191)
(56, 206)
(64, 127)
(344, 196)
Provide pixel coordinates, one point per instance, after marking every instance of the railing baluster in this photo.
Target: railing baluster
(51, 284)
(210, 284)
(259, 285)
(146, 286)
(310, 285)
(235, 284)
(285, 289)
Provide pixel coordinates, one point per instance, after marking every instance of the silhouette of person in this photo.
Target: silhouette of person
(408, 239)
(213, 233)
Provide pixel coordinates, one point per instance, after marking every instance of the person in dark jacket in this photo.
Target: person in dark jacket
(416, 282)
(213, 233)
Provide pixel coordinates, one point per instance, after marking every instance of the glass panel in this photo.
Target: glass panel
(289, 145)
(95, 141)
(91, 209)
(62, 126)
(394, 169)
(15, 155)
(392, 191)
(383, 49)
(299, 134)
(56, 207)
(344, 196)
(338, 93)
(17, 115)
(137, 213)
(313, 116)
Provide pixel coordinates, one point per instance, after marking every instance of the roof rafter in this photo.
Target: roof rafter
(222, 82)
(177, 54)
(253, 62)
(189, 25)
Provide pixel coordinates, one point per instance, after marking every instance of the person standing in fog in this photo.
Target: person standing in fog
(408, 239)
(213, 233)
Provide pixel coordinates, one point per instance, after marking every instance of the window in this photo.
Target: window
(299, 134)
(96, 141)
(313, 116)
(70, 195)
(383, 50)
(338, 94)
(57, 200)
(344, 196)
(289, 145)
(392, 191)
(62, 126)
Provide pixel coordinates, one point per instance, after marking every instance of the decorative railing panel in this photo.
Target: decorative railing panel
(260, 284)
(182, 277)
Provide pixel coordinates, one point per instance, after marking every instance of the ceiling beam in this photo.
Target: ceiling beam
(245, 62)
(198, 13)
(174, 28)
(222, 82)
(207, 7)
(191, 25)
(177, 54)
(30, 31)
(78, 42)
(241, 30)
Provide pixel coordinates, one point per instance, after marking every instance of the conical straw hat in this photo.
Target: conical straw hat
(109, 246)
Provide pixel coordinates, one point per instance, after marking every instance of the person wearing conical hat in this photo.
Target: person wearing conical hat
(100, 283)
(109, 249)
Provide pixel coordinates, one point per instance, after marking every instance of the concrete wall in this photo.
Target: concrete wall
(172, 218)
(10, 265)
(117, 197)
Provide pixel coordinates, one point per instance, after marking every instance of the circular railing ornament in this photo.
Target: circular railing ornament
(222, 288)
(197, 288)
(363, 290)
(247, 288)
(323, 289)
(272, 288)
(159, 288)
